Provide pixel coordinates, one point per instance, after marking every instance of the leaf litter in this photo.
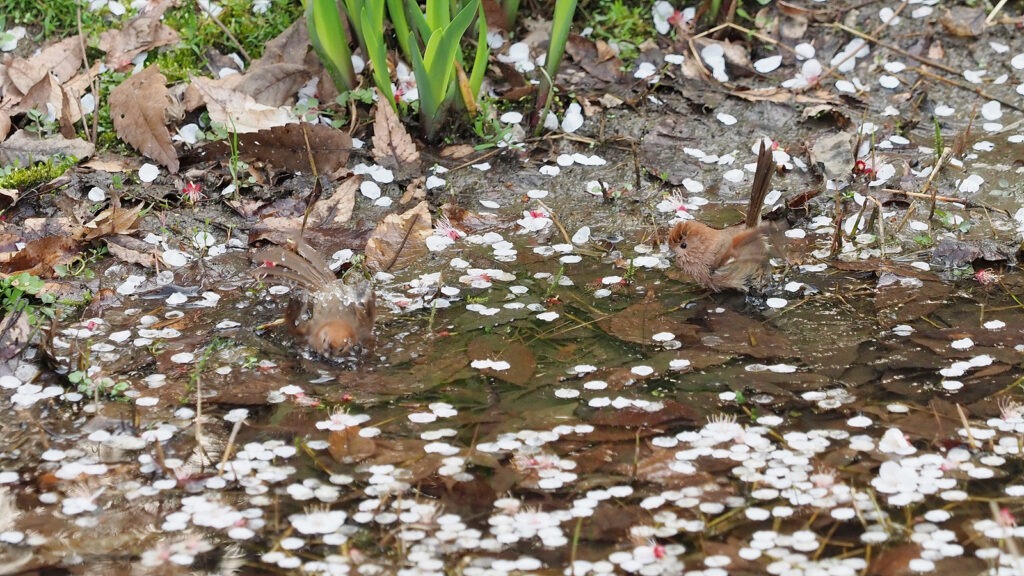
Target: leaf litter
(516, 395)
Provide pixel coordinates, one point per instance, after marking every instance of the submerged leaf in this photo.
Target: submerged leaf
(522, 363)
(399, 240)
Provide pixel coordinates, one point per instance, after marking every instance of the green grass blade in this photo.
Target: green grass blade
(396, 10)
(440, 56)
(355, 9)
(560, 25)
(419, 20)
(483, 52)
(429, 105)
(511, 9)
(328, 37)
(438, 15)
(372, 18)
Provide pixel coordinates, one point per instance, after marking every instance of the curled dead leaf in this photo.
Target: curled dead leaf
(273, 84)
(8, 197)
(143, 32)
(61, 59)
(41, 256)
(326, 227)
(414, 191)
(964, 21)
(112, 221)
(835, 152)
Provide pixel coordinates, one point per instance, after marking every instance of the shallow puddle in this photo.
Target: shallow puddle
(564, 408)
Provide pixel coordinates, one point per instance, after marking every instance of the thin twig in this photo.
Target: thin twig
(554, 218)
(405, 240)
(995, 11)
(927, 196)
(476, 160)
(934, 195)
(967, 428)
(897, 49)
(85, 60)
(969, 88)
(828, 72)
(230, 447)
(747, 31)
(881, 220)
(313, 195)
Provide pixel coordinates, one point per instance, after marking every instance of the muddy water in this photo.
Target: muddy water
(553, 415)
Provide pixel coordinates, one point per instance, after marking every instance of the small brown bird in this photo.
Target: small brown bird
(334, 315)
(735, 257)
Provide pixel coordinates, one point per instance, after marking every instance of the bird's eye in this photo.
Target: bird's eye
(682, 244)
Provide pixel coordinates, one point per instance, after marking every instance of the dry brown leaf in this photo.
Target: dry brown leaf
(144, 32)
(39, 257)
(137, 109)
(273, 84)
(62, 59)
(338, 208)
(82, 82)
(786, 96)
(69, 114)
(131, 250)
(834, 151)
(285, 147)
(393, 148)
(15, 334)
(458, 151)
(289, 47)
(8, 197)
(495, 15)
(196, 93)
(282, 229)
(27, 150)
(109, 163)
(399, 239)
(5, 125)
(594, 60)
(964, 21)
(36, 228)
(793, 26)
(45, 96)
(326, 228)
(738, 334)
(112, 221)
(238, 112)
(414, 191)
